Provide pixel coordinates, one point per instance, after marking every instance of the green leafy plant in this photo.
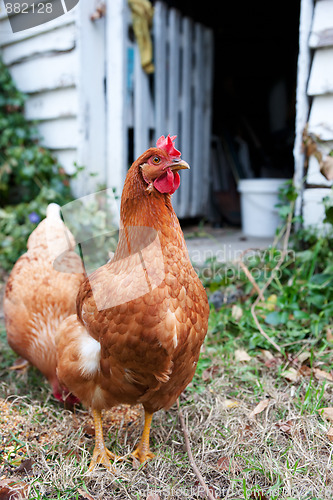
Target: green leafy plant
(298, 305)
(30, 176)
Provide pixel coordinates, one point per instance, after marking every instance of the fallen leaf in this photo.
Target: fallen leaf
(89, 430)
(230, 403)
(223, 463)
(329, 335)
(268, 358)
(259, 408)
(236, 312)
(305, 371)
(25, 466)
(258, 495)
(330, 434)
(85, 494)
(322, 375)
(227, 464)
(242, 355)
(247, 432)
(326, 168)
(326, 413)
(291, 374)
(267, 355)
(285, 426)
(210, 373)
(304, 356)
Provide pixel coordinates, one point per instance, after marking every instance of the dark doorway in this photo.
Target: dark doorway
(255, 69)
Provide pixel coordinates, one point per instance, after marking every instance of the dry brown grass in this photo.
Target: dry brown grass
(283, 452)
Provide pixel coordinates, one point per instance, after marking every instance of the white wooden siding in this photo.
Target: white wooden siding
(43, 62)
(320, 88)
(52, 104)
(319, 117)
(58, 40)
(46, 73)
(321, 75)
(322, 29)
(302, 101)
(91, 134)
(116, 77)
(313, 207)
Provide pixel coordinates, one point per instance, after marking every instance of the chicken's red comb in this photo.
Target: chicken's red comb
(166, 143)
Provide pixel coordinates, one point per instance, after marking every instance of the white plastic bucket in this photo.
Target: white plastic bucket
(258, 199)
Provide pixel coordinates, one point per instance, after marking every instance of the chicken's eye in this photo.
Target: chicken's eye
(156, 160)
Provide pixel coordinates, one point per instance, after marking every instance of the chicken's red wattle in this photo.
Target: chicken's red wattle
(167, 182)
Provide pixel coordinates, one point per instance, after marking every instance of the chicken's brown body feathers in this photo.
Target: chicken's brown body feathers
(146, 308)
(38, 298)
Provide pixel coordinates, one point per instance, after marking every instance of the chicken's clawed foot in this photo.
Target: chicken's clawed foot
(20, 365)
(101, 455)
(143, 455)
(142, 452)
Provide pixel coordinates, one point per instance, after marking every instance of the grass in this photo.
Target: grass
(281, 453)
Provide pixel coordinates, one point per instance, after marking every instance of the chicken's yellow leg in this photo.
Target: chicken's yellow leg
(101, 454)
(142, 452)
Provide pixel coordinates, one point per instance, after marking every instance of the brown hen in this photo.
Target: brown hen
(38, 297)
(141, 318)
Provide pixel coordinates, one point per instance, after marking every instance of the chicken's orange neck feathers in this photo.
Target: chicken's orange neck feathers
(141, 207)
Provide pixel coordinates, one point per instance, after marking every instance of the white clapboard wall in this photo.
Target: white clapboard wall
(177, 100)
(43, 63)
(320, 119)
(60, 66)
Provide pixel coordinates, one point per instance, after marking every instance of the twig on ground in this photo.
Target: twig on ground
(190, 455)
(270, 279)
(251, 279)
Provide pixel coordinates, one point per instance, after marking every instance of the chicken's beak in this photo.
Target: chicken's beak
(178, 165)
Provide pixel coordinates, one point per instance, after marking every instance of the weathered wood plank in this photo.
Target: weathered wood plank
(185, 112)
(302, 101)
(314, 177)
(313, 207)
(59, 134)
(92, 99)
(173, 80)
(322, 26)
(52, 104)
(116, 135)
(160, 61)
(321, 117)
(207, 117)
(197, 163)
(49, 73)
(67, 158)
(141, 107)
(58, 40)
(321, 75)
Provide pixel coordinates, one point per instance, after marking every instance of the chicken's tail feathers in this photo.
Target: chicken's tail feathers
(53, 211)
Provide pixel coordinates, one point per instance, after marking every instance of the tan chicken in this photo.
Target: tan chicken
(38, 297)
(141, 318)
